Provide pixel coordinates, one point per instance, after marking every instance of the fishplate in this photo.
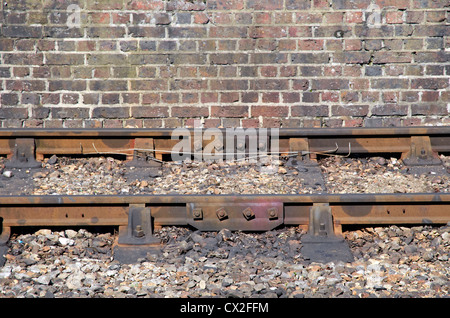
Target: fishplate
(243, 216)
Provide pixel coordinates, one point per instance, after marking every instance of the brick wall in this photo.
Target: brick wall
(235, 63)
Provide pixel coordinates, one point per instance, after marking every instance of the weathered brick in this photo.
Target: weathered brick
(429, 109)
(228, 58)
(349, 4)
(9, 99)
(329, 84)
(429, 83)
(69, 113)
(229, 111)
(5, 72)
(187, 112)
(298, 5)
(188, 84)
(25, 85)
(390, 110)
(219, 85)
(310, 58)
(269, 84)
(391, 57)
(62, 32)
(149, 85)
(104, 5)
(187, 32)
(310, 111)
(110, 85)
(13, 113)
(310, 97)
(301, 84)
(22, 31)
(67, 85)
(228, 32)
(23, 58)
(352, 57)
(265, 4)
(270, 111)
(106, 59)
(64, 59)
(392, 83)
(111, 98)
(147, 31)
(111, 112)
(350, 110)
(268, 32)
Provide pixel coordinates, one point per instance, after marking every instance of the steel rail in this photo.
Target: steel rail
(417, 146)
(178, 209)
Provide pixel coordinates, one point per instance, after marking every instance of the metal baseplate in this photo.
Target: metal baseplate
(136, 240)
(321, 244)
(4, 238)
(24, 155)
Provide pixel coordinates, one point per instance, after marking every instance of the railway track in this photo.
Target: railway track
(145, 149)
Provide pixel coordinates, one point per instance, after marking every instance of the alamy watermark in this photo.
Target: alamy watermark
(373, 14)
(256, 146)
(74, 16)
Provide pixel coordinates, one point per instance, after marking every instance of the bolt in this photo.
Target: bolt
(248, 213)
(322, 231)
(221, 213)
(240, 146)
(197, 213)
(139, 232)
(273, 213)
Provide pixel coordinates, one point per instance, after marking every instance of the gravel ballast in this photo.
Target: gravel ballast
(389, 261)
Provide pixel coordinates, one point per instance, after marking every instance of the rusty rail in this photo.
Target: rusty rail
(180, 209)
(416, 145)
(92, 141)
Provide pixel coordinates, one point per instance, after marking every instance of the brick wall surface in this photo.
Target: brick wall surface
(235, 63)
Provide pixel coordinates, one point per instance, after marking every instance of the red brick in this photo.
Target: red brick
(311, 44)
(170, 98)
(149, 112)
(250, 97)
(265, 4)
(229, 111)
(229, 85)
(392, 57)
(269, 84)
(144, 5)
(225, 4)
(429, 83)
(291, 97)
(268, 32)
(271, 123)
(394, 17)
(270, 111)
(429, 109)
(272, 97)
(349, 110)
(354, 17)
(229, 97)
(187, 112)
(329, 84)
(390, 110)
(209, 97)
(189, 98)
